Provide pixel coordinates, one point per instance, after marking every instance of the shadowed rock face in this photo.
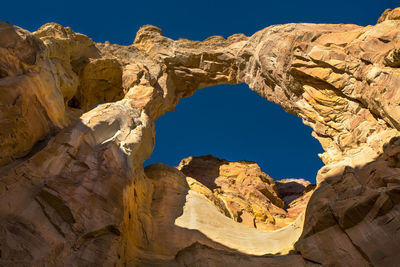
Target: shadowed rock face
(73, 190)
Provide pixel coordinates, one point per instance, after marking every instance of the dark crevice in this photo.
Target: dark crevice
(311, 261)
(3, 73)
(393, 121)
(74, 103)
(58, 205)
(40, 145)
(316, 37)
(109, 229)
(49, 217)
(366, 61)
(383, 40)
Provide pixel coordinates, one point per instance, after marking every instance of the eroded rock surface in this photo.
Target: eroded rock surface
(183, 216)
(241, 190)
(73, 190)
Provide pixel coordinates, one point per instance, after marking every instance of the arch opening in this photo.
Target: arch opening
(235, 123)
(228, 141)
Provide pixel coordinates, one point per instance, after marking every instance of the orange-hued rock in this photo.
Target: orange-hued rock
(390, 14)
(182, 215)
(100, 81)
(31, 102)
(248, 194)
(72, 187)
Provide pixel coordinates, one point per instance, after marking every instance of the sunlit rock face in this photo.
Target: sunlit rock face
(184, 212)
(72, 187)
(243, 192)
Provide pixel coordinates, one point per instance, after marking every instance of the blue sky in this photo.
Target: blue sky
(235, 123)
(227, 121)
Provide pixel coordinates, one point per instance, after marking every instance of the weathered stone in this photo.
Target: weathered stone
(81, 197)
(390, 14)
(291, 189)
(248, 195)
(357, 209)
(183, 217)
(392, 59)
(100, 81)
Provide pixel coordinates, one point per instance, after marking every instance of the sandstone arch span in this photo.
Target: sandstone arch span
(83, 197)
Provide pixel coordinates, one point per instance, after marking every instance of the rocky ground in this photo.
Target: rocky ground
(73, 190)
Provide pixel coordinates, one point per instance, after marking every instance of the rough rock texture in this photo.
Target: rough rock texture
(290, 189)
(73, 190)
(295, 193)
(241, 190)
(390, 14)
(182, 217)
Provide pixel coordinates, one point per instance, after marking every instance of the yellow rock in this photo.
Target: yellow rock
(81, 196)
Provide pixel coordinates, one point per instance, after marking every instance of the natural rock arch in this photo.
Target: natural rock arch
(84, 198)
(245, 127)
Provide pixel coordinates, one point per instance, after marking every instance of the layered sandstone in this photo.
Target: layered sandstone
(73, 190)
(242, 191)
(184, 215)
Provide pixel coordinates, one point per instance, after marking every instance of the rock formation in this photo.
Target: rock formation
(73, 190)
(295, 193)
(243, 192)
(184, 215)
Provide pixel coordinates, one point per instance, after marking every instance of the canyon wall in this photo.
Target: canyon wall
(72, 187)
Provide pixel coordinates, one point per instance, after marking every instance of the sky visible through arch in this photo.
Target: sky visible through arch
(242, 121)
(235, 123)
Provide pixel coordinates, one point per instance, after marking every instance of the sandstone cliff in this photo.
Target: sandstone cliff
(72, 187)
